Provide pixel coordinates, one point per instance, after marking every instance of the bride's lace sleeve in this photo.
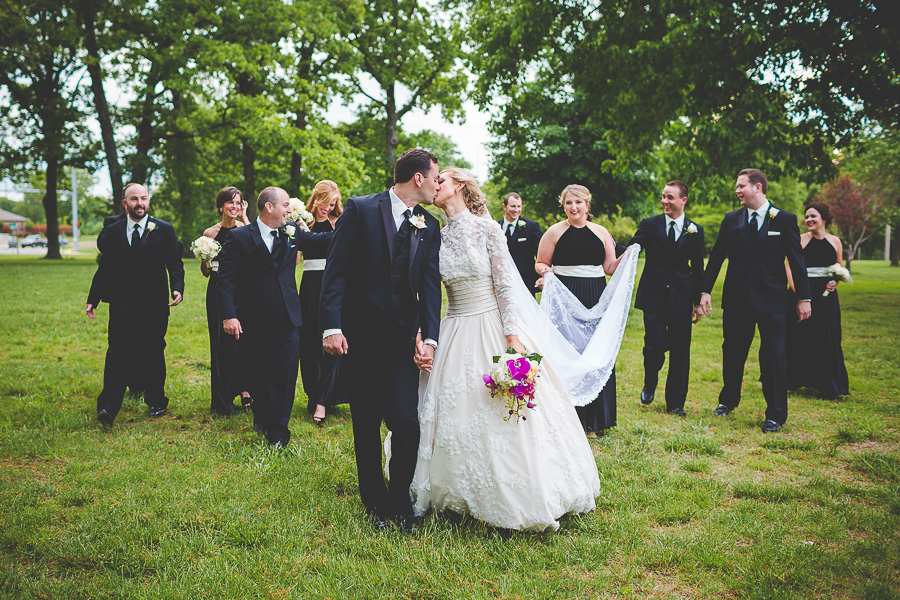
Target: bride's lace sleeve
(502, 272)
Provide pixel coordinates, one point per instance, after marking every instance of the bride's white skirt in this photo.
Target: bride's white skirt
(521, 476)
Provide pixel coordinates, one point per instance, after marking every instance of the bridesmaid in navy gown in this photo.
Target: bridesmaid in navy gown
(813, 347)
(319, 370)
(580, 254)
(222, 352)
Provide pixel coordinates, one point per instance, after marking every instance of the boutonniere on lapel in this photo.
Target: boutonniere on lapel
(150, 227)
(772, 212)
(290, 230)
(417, 221)
(691, 228)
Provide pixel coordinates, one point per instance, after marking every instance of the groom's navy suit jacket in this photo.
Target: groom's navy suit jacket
(756, 278)
(356, 289)
(672, 275)
(254, 287)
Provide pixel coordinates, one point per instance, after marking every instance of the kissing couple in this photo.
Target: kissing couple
(450, 446)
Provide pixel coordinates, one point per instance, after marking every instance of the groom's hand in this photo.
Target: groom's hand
(335, 344)
(233, 327)
(424, 356)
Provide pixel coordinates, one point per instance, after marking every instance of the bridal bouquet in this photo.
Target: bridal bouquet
(514, 377)
(838, 273)
(206, 249)
(299, 214)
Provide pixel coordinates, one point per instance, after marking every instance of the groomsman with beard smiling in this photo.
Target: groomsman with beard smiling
(523, 237)
(669, 294)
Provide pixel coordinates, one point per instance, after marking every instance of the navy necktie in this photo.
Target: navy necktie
(672, 232)
(136, 238)
(754, 225)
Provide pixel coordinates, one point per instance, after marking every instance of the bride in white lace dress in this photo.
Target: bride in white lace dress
(520, 476)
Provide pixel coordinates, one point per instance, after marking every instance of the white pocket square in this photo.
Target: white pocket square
(523, 239)
(774, 233)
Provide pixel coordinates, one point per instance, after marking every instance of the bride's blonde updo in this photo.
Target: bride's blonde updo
(472, 194)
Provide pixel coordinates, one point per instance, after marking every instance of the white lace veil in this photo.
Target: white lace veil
(581, 342)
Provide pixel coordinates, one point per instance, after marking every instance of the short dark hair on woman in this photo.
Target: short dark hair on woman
(823, 211)
(225, 195)
(414, 160)
(756, 176)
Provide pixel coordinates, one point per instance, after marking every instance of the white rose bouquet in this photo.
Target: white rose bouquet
(838, 273)
(299, 214)
(207, 249)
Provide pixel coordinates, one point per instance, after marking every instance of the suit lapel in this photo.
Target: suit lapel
(387, 218)
(146, 237)
(260, 244)
(414, 239)
(763, 231)
(684, 234)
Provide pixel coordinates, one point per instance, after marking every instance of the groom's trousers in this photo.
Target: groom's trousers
(384, 386)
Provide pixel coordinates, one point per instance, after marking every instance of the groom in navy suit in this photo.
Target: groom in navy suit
(756, 239)
(668, 294)
(380, 306)
(257, 296)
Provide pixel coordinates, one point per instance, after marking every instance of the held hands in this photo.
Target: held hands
(89, 309)
(335, 344)
(697, 315)
(705, 304)
(804, 311)
(233, 327)
(177, 298)
(424, 357)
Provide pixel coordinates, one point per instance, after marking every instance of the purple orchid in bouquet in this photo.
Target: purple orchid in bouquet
(514, 378)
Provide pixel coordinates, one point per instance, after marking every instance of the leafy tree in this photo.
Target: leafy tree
(401, 45)
(39, 68)
(855, 209)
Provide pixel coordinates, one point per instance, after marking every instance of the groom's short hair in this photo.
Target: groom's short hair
(269, 194)
(756, 176)
(414, 160)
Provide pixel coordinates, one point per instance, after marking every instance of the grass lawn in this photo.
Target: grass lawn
(195, 506)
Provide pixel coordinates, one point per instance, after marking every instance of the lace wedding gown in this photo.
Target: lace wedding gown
(521, 476)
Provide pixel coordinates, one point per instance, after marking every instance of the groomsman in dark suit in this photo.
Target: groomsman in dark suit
(381, 306)
(523, 237)
(258, 301)
(756, 239)
(669, 294)
(137, 253)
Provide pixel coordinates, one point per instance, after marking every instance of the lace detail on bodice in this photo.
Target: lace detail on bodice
(472, 252)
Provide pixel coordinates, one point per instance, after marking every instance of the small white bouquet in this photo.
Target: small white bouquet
(838, 273)
(299, 214)
(207, 249)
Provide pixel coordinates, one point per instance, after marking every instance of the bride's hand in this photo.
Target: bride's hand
(512, 341)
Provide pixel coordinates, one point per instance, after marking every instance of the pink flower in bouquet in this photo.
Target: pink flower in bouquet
(519, 368)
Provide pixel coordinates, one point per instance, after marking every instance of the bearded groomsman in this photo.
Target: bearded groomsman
(523, 237)
(137, 253)
(669, 294)
(756, 239)
(258, 301)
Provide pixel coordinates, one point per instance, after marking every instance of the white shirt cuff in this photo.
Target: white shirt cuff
(430, 342)
(328, 332)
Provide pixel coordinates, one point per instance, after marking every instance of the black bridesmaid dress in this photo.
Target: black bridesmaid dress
(813, 347)
(319, 371)
(581, 246)
(223, 367)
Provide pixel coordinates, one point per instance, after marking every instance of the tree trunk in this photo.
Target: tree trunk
(100, 104)
(895, 244)
(51, 209)
(296, 159)
(141, 162)
(390, 134)
(249, 159)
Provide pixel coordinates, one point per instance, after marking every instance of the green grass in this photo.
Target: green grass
(196, 506)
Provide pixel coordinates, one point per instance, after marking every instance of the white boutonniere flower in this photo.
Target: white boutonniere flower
(772, 212)
(417, 221)
(151, 226)
(691, 228)
(289, 230)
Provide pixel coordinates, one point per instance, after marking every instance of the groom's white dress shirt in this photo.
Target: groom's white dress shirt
(760, 214)
(266, 233)
(398, 207)
(679, 225)
(142, 225)
(508, 224)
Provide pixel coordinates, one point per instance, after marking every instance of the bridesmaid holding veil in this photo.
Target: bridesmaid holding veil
(222, 354)
(580, 254)
(319, 370)
(813, 347)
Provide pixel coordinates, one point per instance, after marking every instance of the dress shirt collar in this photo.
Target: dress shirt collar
(761, 211)
(398, 207)
(142, 227)
(265, 233)
(679, 222)
(507, 223)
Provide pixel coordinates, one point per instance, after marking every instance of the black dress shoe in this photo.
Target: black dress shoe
(722, 410)
(647, 396)
(105, 418)
(279, 437)
(157, 411)
(678, 412)
(409, 523)
(770, 426)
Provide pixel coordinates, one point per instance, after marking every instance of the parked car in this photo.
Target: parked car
(13, 242)
(35, 239)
